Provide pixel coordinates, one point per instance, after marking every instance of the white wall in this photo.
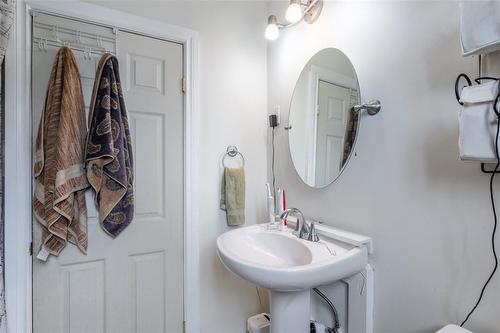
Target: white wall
(233, 111)
(428, 213)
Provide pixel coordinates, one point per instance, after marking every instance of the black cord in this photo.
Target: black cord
(494, 212)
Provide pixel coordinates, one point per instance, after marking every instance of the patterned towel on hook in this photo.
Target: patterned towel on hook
(60, 182)
(109, 150)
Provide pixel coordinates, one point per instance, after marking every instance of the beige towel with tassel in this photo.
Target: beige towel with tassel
(60, 181)
(232, 199)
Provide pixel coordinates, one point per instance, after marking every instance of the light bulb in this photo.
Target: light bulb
(272, 30)
(294, 12)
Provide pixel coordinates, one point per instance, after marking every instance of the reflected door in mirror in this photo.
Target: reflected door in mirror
(333, 105)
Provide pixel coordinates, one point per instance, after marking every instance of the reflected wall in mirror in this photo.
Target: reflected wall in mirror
(322, 126)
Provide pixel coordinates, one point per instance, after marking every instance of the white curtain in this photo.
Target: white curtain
(7, 12)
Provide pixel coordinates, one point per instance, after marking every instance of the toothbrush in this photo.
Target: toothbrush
(284, 206)
(270, 204)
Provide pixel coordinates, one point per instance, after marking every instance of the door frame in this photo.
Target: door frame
(18, 141)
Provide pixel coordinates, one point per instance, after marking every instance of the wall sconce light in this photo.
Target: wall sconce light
(272, 30)
(298, 10)
(294, 11)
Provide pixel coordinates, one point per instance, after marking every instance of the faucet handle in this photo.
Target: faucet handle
(313, 234)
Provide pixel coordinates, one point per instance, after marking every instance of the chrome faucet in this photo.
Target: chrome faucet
(302, 228)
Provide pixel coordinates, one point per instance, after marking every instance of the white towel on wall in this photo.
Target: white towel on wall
(478, 123)
(480, 26)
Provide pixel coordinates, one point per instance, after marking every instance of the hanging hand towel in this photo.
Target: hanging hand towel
(60, 182)
(233, 195)
(480, 26)
(109, 150)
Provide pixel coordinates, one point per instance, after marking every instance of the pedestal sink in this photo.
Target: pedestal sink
(289, 267)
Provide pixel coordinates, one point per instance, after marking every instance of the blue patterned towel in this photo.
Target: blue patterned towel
(109, 150)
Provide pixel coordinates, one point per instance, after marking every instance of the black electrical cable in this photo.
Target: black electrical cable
(494, 211)
(336, 323)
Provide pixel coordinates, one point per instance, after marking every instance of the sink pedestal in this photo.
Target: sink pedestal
(290, 311)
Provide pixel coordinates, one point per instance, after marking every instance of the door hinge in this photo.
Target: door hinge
(183, 84)
(184, 326)
(30, 250)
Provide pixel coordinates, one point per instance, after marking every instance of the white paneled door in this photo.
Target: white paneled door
(333, 104)
(133, 283)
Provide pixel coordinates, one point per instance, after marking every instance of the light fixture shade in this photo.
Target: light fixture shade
(294, 12)
(272, 30)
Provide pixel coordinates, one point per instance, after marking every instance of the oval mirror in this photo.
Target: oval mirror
(322, 126)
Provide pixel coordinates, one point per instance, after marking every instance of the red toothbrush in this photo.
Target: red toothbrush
(284, 206)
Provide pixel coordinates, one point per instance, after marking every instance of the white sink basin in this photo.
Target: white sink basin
(279, 260)
(289, 266)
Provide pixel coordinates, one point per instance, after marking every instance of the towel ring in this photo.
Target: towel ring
(232, 151)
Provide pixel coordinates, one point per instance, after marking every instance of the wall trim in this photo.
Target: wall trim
(18, 217)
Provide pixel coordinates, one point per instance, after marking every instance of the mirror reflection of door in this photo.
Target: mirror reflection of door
(331, 118)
